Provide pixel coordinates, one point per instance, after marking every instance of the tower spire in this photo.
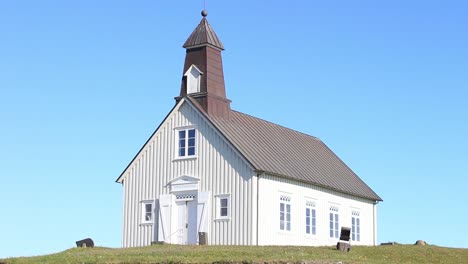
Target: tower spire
(203, 77)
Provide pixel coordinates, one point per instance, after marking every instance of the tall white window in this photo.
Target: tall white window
(147, 212)
(334, 222)
(223, 206)
(355, 226)
(311, 220)
(187, 142)
(285, 213)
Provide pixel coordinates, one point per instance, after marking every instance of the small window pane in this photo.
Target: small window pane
(182, 152)
(191, 151)
(308, 229)
(191, 133)
(182, 134)
(282, 207)
(191, 142)
(307, 212)
(313, 230)
(224, 211)
(282, 225)
(181, 143)
(288, 226)
(331, 216)
(224, 202)
(313, 213)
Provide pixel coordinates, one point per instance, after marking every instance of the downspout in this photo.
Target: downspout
(258, 195)
(373, 220)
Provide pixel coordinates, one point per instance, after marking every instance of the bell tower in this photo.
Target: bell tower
(203, 77)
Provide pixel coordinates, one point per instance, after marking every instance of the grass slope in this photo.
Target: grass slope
(244, 254)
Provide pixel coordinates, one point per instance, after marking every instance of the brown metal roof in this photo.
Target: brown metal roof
(202, 35)
(285, 152)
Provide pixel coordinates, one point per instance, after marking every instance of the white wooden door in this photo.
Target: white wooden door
(187, 222)
(192, 232)
(181, 223)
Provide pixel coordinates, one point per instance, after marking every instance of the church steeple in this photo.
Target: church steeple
(203, 77)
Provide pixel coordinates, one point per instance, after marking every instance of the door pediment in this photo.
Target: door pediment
(183, 183)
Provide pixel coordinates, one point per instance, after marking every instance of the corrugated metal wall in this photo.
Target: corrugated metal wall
(271, 187)
(219, 167)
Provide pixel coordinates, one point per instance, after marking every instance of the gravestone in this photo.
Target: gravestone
(343, 244)
(87, 242)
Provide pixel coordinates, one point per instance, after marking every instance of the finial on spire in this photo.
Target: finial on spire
(204, 13)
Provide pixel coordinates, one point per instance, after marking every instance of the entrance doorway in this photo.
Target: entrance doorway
(186, 222)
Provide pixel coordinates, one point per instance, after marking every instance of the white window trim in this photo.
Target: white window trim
(312, 205)
(186, 156)
(356, 214)
(218, 198)
(143, 212)
(336, 211)
(285, 198)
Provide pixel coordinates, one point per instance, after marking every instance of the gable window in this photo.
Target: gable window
(355, 226)
(311, 220)
(193, 76)
(187, 142)
(223, 206)
(147, 212)
(334, 222)
(285, 213)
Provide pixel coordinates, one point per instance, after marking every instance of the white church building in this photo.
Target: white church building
(213, 175)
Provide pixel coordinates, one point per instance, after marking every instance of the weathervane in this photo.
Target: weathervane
(204, 13)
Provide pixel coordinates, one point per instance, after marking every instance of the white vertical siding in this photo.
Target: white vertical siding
(269, 232)
(218, 166)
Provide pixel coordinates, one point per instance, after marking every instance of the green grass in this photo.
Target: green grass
(243, 254)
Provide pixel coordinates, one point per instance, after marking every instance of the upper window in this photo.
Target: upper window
(187, 142)
(334, 222)
(285, 213)
(311, 220)
(223, 205)
(355, 226)
(147, 212)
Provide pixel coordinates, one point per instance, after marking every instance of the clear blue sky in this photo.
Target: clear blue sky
(84, 83)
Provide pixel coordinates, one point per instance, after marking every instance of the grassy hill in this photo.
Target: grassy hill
(241, 254)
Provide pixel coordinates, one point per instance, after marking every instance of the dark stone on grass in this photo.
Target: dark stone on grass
(420, 243)
(87, 242)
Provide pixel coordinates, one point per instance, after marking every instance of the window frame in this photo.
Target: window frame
(356, 226)
(334, 222)
(311, 208)
(186, 143)
(285, 224)
(220, 197)
(144, 212)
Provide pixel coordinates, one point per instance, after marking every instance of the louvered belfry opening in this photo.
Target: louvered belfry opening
(203, 50)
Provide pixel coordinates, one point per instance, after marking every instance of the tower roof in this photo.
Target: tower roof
(203, 35)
